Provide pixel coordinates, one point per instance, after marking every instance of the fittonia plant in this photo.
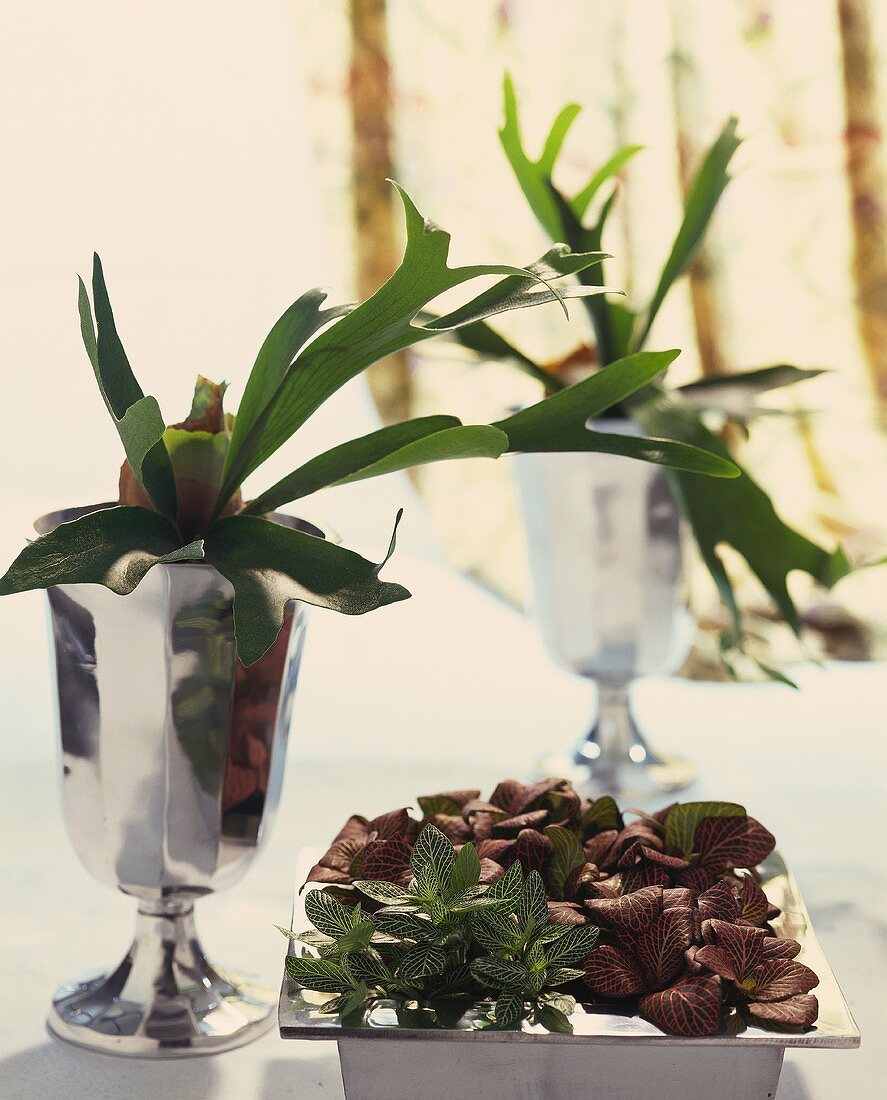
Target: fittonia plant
(739, 514)
(180, 488)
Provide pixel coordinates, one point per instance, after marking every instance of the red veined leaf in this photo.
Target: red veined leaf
(644, 874)
(719, 902)
(510, 795)
(446, 802)
(677, 897)
(753, 904)
(582, 882)
(511, 826)
(737, 951)
(660, 947)
(319, 873)
(697, 879)
(451, 825)
(691, 1007)
(396, 823)
(638, 851)
(597, 849)
(600, 815)
(776, 979)
(532, 850)
(497, 850)
(490, 871)
(565, 912)
(723, 843)
(478, 806)
(387, 861)
(775, 948)
(612, 972)
(798, 1011)
(633, 912)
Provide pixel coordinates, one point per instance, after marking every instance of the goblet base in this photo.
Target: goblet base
(165, 1000)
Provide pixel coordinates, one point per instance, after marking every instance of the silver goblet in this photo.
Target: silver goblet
(172, 760)
(605, 552)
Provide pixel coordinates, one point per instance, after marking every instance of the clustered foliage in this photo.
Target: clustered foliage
(180, 487)
(676, 922)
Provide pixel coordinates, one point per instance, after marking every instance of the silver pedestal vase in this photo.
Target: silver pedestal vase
(605, 552)
(172, 762)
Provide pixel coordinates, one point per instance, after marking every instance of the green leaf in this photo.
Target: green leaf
(554, 1020)
(558, 423)
(323, 975)
(385, 323)
(533, 904)
(740, 514)
(112, 546)
(329, 915)
(269, 565)
(566, 856)
(510, 1009)
(420, 962)
(404, 924)
(574, 945)
(488, 344)
(355, 939)
(290, 333)
(733, 394)
(385, 892)
(583, 199)
(684, 818)
(354, 1003)
(399, 447)
(466, 870)
(510, 886)
(503, 973)
(702, 199)
(137, 418)
(433, 858)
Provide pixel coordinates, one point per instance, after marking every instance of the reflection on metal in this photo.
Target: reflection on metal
(172, 758)
(605, 551)
(630, 1057)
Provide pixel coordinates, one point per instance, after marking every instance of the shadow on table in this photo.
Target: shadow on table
(52, 1069)
(791, 1084)
(318, 1075)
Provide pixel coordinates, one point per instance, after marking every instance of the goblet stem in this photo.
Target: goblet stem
(164, 999)
(615, 758)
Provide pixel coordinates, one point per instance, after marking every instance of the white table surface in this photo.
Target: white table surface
(448, 690)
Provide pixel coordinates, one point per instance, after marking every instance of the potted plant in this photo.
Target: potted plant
(537, 915)
(174, 703)
(610, 597)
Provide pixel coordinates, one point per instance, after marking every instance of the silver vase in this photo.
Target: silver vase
(605, 552)
(172, 760)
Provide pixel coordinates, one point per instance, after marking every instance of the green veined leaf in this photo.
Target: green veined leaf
(353, 1004)
(385, 892)
(496, 931)
(137, 418)
(355, 939)
(533, 904)
(404, 924)
(510, 886)
(112, 546)
(312, 938)
(503, 973)
(510, 1008)
(466, 870)
(433, 858)
(561, 1001)
(566, 856)
(385, 323)
(369, 967)
(323, 975)
(269, 565)
(420, 962)
(574, 945)
(705, 193)
(684, 819)
(399, 447)
(560, 975)
(329, 915)
(603, 813)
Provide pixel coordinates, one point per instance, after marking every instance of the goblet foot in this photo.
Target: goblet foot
(164, 1000)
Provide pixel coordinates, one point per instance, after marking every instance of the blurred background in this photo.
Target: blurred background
(223, 157)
